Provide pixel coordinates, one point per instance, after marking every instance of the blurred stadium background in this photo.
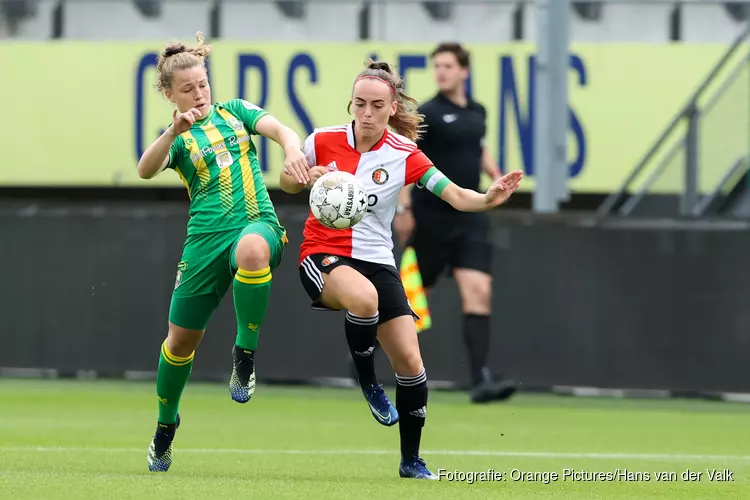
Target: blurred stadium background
(620, 267)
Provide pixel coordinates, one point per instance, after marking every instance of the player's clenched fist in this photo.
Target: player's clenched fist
(181, 122)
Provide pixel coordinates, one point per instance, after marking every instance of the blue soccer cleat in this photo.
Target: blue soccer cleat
(380, 406)
(160, 450)
(242, 382)
(415, 468)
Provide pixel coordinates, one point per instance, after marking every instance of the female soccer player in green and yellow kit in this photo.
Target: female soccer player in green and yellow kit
(233, 235)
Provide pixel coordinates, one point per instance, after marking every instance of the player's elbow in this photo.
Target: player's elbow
(144, 172)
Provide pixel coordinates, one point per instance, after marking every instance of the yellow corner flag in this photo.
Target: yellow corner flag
(412, 280)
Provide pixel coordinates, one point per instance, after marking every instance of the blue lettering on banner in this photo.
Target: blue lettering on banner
(301, 61)
(525, 121)
(510, 103)
(146, 62)
(575, 123)
(410, 61)
(245, 62)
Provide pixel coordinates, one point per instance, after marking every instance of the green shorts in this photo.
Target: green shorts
(207, 268)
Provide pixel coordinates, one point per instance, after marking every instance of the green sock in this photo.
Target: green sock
(251, 292)
(171, 380)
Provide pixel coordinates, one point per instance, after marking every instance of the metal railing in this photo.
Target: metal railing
(680, 144)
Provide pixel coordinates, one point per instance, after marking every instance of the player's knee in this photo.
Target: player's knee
(182, 342)
(478, 293)
(364, 302)
(408, 363)
(252, 253)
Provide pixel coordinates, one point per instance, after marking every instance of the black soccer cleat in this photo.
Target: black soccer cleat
(490, 390)
(160, 450)
(242, 382)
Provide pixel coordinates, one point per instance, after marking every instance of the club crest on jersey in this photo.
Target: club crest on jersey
(235, 124)
(330, 259)
(380, 176)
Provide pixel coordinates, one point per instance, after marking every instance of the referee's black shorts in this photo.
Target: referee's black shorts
(454, 241)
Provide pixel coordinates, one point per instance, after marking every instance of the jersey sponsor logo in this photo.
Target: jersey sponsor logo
(222, 146)
(328, 260)
(450, 118)
(224, 160)
(380, 176)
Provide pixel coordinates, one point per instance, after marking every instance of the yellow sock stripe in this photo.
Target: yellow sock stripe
(253, 281)
(175, 360)
(254, 274)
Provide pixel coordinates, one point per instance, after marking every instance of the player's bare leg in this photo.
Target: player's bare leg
(346, 289)
(252, 289)
(475, 288)
(175, 365)
(398, 337)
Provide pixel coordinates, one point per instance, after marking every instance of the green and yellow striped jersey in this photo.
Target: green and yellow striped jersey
(217, 161)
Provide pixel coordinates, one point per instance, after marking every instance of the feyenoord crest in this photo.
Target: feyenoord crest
(331, 259)
(380, 176)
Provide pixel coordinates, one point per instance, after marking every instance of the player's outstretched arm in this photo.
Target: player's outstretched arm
(467, 200)
(295, 163)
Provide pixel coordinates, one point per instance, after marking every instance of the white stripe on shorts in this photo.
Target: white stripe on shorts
(313, 273)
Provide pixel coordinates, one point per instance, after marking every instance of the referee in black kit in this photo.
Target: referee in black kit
(445, 240)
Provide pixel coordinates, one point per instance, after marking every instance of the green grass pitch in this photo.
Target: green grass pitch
(87, 440)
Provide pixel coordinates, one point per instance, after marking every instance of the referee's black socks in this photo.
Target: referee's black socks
(411, 403)
(477, 340)
(361, 334)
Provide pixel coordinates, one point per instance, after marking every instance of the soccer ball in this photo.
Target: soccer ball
(338, 200)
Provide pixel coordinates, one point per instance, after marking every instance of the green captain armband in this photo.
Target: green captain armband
(434, 181)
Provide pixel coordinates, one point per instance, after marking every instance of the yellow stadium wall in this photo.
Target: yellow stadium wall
(79, 114)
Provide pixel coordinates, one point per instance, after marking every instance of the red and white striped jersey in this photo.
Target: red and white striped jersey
(391, 164)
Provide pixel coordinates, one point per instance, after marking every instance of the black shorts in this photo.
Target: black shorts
(446, 243)
(392, 301)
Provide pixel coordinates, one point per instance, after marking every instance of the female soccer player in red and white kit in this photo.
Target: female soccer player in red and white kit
(354, 269)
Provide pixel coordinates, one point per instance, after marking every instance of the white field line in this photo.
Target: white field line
(487, 453)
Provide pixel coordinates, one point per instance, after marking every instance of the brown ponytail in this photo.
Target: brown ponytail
(177, 56)
(407, 121)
